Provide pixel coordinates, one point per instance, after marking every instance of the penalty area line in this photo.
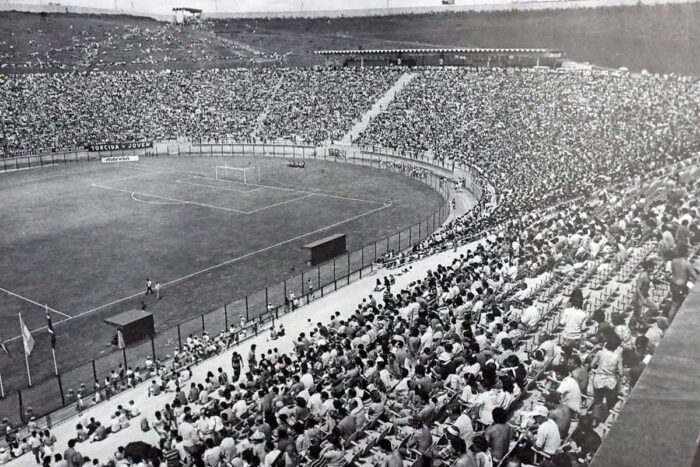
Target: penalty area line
(167, 198)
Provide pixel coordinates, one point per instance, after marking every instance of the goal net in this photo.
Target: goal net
(238, 174)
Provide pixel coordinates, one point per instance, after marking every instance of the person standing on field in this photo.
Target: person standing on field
(157, 290)
(149, 286)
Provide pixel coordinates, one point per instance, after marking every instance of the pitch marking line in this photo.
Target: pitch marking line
(319, 193)
(280, 203)
(33, 302)
(175, 201)
(216, 266)
(167, 198)
(188, 182)
(167, 203)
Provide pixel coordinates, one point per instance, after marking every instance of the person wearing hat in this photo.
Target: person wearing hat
(257, 440)
(547, 438)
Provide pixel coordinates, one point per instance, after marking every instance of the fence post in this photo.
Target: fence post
(21, 406)
(302, 284)
(387, 244)
(335, 284)
(60, 389)
(247, 317)
(126, 365)
(153, 351)
(285, 289)
(348, 268)
(203, 329)
(94, 370)
(225, 318)
(399, 249)
(179, 339)
(362, 260)
(267, 300)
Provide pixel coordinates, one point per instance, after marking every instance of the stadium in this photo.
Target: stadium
(426, 234)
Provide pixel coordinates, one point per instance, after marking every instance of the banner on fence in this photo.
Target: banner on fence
(119, 146)
(115, 159)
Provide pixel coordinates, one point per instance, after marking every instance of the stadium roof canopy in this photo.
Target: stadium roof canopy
(434, 51)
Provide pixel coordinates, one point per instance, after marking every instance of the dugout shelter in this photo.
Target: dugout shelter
(132, 326)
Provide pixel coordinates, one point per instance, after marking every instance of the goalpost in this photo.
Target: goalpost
(238, 174)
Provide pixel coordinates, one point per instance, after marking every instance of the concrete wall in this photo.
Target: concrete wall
(162, 9)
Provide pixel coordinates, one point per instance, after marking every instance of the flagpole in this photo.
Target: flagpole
(26, 357)
(2, 388)
(53, 349)
(55, 367)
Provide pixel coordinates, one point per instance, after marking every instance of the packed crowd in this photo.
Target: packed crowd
(543, 137)
(46, 111)
(520, 350)
(332, 99)
(512, 352)
(60, 46)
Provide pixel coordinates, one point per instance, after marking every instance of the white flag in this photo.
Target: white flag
(27, 338)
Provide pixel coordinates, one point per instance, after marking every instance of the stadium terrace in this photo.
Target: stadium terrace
(512, 334)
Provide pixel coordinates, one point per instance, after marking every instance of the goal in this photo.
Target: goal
(238, 174)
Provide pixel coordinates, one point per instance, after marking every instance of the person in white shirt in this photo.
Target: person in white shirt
(133, 409)
(569, 389)
(307, 379)
(240, 407)
(531, 315)
(189, 434)
(574, 320)
(464, 424)
(212, 454)
(547, 438)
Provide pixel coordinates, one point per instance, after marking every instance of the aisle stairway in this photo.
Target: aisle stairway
(381, 104)
(263, 115)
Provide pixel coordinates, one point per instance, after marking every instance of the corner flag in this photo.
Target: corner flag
(27, 338)
(3, 346)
